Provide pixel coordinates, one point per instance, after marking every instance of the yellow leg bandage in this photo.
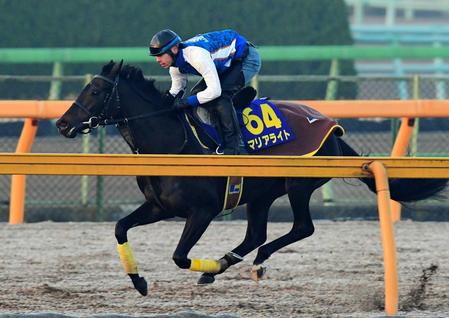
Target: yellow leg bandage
(127, 258)
(205, 265)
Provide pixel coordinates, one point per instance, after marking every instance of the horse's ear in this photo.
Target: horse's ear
(116, 68)
(107, 68)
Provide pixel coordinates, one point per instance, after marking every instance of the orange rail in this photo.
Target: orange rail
(387, 234)
(39, 109)
(46, 109)
(18, 182)
(424, 108)
(43, 109)
(400, 149)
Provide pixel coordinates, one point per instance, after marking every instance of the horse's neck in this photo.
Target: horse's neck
(127, 135)
(163, 133)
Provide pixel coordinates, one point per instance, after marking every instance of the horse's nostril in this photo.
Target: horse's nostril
(61, 124)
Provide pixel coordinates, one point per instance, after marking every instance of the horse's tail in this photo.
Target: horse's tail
(402, 190)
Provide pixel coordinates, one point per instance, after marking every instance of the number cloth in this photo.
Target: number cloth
(263, 126)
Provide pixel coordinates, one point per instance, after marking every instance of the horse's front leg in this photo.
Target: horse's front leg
(145, 214)
(196, 224)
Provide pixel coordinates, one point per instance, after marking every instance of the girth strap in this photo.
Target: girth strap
(234, 190)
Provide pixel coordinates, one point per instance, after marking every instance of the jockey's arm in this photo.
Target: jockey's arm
(178, 81)
(201, 60)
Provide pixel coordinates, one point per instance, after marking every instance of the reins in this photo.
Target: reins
(96, 121)
(107, 122)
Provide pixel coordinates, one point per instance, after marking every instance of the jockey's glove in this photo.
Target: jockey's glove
(180, 104)
(168, 99)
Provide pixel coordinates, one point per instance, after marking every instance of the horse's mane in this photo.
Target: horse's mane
(144, 86)
(135, 77)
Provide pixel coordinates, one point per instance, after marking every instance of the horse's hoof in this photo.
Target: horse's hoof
(206, 279)
(141, 285)
(257, 272)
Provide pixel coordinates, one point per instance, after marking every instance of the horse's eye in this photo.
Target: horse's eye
(95, 92)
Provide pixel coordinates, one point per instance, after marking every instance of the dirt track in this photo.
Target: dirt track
(73, 268)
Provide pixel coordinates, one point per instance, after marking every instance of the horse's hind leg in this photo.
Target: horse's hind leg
(145, 214)
(299, 192)
(256, 235)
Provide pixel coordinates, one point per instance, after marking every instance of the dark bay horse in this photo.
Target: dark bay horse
(122, 96)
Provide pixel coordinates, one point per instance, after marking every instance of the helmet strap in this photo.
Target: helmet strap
(173, 56)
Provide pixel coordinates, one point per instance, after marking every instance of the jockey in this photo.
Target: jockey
(225, 60)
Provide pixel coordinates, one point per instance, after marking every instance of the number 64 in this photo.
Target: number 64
(255, 124)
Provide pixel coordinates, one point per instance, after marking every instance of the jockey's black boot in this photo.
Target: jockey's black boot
(227, 120)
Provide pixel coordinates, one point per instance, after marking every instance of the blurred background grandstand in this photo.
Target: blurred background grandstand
(400, 22)
(373, 24)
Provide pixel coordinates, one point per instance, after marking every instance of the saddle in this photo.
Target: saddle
(202, 125)
(268, 127)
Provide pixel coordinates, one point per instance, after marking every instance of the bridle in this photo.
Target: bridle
(105, 117)
(94, 121)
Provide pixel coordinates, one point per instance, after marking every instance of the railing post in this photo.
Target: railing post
(403, 95)
(400, 149)
(100, 179)
(18, 182)
(414, 143)
(56, 85)
(332, 85)
(409, 129)
(440, 86)
(387, 232)
(331, 93)
(85, 149)
(402, 90)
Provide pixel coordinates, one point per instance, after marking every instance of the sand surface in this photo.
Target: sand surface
(73, 269)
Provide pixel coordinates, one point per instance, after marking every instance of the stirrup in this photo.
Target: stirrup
(218, 152)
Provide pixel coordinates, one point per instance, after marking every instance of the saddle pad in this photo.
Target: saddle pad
(263, 126)
(307, 127)
(310, 127)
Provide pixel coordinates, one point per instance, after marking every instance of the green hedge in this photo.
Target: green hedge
(115, 23)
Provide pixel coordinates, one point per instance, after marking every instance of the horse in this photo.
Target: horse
(122, 96)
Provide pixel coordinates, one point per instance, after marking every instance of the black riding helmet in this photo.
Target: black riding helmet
(163, 41)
